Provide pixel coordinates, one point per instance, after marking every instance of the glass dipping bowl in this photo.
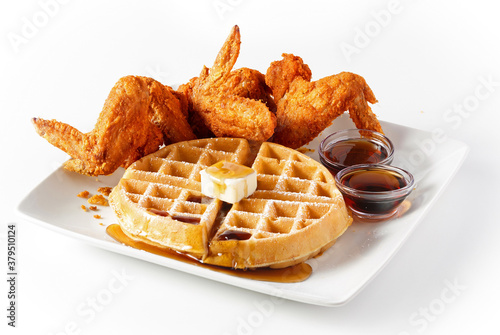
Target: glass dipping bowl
(374, 191)
(355, 146)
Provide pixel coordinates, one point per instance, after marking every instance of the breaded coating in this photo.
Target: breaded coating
(105, 190)
(216, 97)
(306, 108)
(309, 107)
(98, 199)
(139, 115)
(242, 82)
(280, 74)
(200, 129)
(248, 83)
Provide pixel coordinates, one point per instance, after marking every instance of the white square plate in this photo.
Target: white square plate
(340, 273)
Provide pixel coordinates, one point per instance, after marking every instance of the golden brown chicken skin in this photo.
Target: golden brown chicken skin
(218, 97)
(248, 83)
(306, 108)
(138, 116)
(280, 74)
(242, 82)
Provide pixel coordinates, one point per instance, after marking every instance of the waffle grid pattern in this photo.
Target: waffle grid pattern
(291, 195)
(170, 181)
(295, 213)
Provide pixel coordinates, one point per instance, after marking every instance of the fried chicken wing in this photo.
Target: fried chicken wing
(200, 129)
(138, 116)
(231, 103)
(307, 108)
(141, 114)
(248, 83)
(242, 82)
(280, 74)
(168, 111)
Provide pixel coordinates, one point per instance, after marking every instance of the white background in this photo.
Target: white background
(424, 60)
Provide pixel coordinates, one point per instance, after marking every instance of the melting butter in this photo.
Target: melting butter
(227, 181)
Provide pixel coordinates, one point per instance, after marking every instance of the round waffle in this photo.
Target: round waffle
(295, 213)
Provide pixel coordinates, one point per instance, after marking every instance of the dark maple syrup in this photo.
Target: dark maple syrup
(374, 181)
(292, 274)
(195, 198)
(158, 212)
(187, 219)
(353, 151)
(178, 217)
(234, 235)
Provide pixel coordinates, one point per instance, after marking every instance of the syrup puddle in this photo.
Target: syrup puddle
(292, 274)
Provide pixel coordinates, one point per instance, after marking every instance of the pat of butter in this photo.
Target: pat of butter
(229, 182)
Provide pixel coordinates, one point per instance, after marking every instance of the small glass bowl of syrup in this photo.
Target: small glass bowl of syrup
(355, 146)
(374, 191)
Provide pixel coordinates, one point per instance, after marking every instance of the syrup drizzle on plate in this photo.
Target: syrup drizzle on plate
(292, 274)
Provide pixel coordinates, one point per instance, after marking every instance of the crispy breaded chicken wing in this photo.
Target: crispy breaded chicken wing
(242, 82)
(248, 83)
(307, 108)
(231, 103)
(280, 74)
(200, 129)
(138, 116)
(168, 111)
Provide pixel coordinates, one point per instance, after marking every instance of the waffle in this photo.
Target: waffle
(295, 213)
